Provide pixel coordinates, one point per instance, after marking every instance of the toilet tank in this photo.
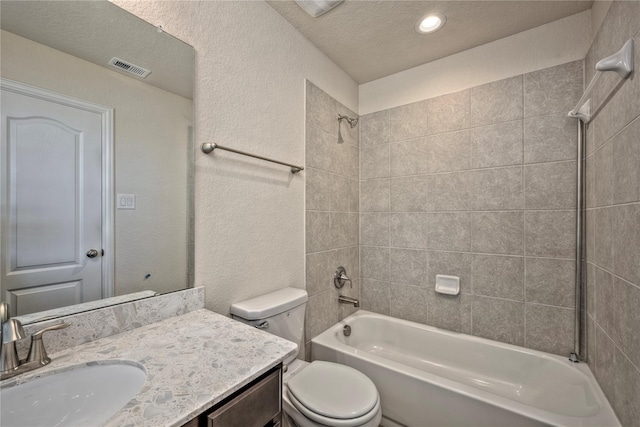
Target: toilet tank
(283, 312)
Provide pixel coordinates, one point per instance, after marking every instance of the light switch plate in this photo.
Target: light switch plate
(126, 201)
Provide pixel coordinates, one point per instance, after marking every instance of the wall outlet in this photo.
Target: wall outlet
(126, 201)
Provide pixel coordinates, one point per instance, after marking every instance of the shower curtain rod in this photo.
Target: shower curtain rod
(621, 62)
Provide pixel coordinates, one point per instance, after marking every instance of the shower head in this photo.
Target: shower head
(352, 122)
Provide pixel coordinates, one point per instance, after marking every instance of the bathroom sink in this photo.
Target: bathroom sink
(82, 395)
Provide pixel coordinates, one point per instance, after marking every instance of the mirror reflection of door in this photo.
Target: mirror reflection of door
(52, 207)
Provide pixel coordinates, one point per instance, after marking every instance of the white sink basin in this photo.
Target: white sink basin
(85, 395)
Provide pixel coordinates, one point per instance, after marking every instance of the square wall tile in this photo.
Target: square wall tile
(408, 266)
(409, 157)
(550, 281)
(497, 145)
(409, 194)
(550, 185)
(497, 232)
(374, 128)
(408, 121)
(497, 189)
(627, 317)
(626, 386)
(321, 109)
(374, 263)
(374, 195)
(496, 102)
(449, 152)
(326, 191)
(374, 229)
(407, 230)
(498, 276)
(450, 191)
(499, 320)
(374, 162)
(550, 138)
(319, 277)
(321, 313)
(452, 313)
(603, 175)
(449, 231)
(549, 329)
(318, 227)
(408, 303)
(450, 264)
(605, 357)
(550, 233)
(344, 230)
(375, 296)
(626, 243)
(553, 90)
(449, 112)
(605, 294)
(626, 164)
(603, 237)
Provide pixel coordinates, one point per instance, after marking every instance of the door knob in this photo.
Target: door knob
(92, 253)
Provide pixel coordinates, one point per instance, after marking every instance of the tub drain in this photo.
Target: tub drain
(346, 330)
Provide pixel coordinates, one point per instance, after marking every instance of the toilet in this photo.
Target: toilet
(314, 394)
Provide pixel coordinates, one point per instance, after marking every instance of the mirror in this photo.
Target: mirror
(96, 158)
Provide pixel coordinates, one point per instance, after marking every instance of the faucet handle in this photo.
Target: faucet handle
(12, 331)
(37, 352)
(340, 278)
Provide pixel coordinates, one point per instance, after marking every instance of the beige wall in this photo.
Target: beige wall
(551, 44)
(251, 67)
(151, 136)
(613, 219)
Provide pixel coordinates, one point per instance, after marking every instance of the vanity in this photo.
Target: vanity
(202, 368)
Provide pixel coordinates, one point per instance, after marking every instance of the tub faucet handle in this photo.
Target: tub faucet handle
(340, 278)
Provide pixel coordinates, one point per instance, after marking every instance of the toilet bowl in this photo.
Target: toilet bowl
(316, 394)
(320, 394)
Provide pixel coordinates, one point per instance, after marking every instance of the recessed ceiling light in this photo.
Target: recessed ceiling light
(430, 23)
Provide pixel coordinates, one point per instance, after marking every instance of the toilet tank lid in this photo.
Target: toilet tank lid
(269, 304)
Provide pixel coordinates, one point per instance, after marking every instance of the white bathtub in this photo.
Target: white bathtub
(430, 377)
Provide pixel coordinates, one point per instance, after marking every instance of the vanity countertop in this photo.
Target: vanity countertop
(193, 361)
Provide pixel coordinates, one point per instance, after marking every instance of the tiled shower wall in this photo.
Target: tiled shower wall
(613, 219)
(478, 184)
(331, 210)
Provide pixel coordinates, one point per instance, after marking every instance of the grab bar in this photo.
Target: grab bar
(208, 147)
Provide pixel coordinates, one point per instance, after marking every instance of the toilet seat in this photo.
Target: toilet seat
(333, 394)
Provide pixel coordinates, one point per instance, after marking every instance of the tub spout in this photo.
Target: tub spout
(348, 300)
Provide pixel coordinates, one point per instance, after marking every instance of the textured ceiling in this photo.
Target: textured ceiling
(373, 39)
(96, 31)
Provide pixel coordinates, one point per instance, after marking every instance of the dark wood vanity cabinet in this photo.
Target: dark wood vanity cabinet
(258, 404)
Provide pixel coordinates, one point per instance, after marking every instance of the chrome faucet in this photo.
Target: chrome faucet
(12, 331)
(348, 300)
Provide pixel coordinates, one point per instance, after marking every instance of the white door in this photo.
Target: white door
(51, 159)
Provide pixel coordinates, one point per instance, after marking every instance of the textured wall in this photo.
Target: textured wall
(251, 67)
(332, 189)
(478, 184)
(613, 219)
(151, 139)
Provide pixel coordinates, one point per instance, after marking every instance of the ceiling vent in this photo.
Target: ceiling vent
(129, 67)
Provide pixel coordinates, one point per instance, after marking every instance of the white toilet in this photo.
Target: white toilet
(314, 394)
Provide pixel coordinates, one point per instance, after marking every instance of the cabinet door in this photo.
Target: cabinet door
(257, 406)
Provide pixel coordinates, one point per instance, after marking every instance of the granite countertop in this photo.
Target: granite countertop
(193, 361)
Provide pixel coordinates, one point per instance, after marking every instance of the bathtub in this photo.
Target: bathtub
(431, 377)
